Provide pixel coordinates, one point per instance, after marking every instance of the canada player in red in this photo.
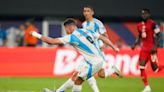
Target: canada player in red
(149, 36)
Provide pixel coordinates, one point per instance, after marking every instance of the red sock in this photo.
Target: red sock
(144, 77)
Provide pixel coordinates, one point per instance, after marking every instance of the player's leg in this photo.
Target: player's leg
(143, 75)
(68, 84)
(154, 63)
(85, 72)
(103, 73)
(92, 82)
(77, 84)
(142, 62)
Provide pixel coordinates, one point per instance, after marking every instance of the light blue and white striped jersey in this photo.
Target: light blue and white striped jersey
(97, 26)
(84, 40)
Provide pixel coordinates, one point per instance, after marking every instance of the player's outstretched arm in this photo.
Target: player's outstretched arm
(108, 42)
(52, 41)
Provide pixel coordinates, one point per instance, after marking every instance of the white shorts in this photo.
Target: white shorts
(81, 64)
(86, 70)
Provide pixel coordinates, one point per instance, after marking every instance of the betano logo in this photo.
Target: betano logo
(67, 60)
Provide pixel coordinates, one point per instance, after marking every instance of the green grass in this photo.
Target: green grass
(133, 84)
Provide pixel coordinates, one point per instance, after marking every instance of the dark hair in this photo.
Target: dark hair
(70, 21)
(88, 6)
(146, 9)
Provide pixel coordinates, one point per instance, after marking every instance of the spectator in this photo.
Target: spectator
(3, 37)
(20, 38)
(14, 36)
(29, 40)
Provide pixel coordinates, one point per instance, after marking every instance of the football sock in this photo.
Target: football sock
(144, 77)
(93, 84)
(77, 88)
(68, 84)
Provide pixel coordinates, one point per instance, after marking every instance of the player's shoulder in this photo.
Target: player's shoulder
(84, 23)
(79, 30)
(140, 23)
(151, 20)
(97, 21)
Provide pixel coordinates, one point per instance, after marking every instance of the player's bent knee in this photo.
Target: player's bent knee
(142, 64)
(91, 80)
(74, 76)
(78, 81)
(101, 73)
(154, 67)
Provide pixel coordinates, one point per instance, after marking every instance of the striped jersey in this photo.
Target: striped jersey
(84, 40)
(97, 26)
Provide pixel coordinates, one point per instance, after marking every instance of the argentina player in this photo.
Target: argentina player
(97, 26)
(84, 41)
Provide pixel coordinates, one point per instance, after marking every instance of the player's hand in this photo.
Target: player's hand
(133, 47)
(116, 49)
(35, 34)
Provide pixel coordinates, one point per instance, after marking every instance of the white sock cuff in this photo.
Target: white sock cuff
(35, 34)
(92, 79)
(77, 88)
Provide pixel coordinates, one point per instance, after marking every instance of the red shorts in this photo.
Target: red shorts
(145, 55)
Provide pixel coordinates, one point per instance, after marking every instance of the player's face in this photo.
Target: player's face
(88, 12)
(27, 24)
(22, 27)
(69, 29)
(145, 15)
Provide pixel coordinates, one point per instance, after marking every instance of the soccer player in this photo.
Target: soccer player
(93, 23)
(97, 26)
(84, 40)
(149, 36)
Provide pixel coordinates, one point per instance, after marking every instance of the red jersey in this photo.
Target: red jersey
(147, 27)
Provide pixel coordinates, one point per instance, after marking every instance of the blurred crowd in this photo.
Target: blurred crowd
(21, 36)
(13, 37)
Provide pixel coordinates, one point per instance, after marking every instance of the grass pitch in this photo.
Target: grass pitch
(132, 84)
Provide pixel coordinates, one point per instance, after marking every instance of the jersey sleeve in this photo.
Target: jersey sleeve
(65, 39)
(102, 29)
(83, 25)
(156, 28)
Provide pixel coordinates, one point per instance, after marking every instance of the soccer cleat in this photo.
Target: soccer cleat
(117, 72)
(48, 90)
(147, 89)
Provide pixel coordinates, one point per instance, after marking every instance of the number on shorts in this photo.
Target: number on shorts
(90, 39)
